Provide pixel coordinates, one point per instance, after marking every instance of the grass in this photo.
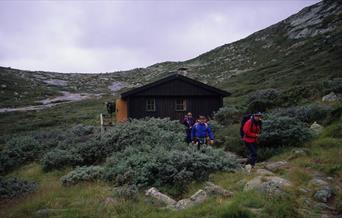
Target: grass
(88, 199)
(83, 199)
(62, 116)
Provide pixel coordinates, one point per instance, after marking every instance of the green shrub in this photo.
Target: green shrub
(82, 130)
(335, 115)
(228, 137)
(152, 131)
(334, 85)
(264, 94)
(307, 114)
(300, 94)
(283, 131)
(91, 152)
(164, 166)
(227, 115)
(13, 187)
(141, 152)
(19, 150)
(264, 99)
(83, 174)
(57, 159)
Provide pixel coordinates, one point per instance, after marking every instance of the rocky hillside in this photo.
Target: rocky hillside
(294, 55)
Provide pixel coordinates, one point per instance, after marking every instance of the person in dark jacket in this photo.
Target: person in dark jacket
(252, 131)
(188, 121)
(201, 133)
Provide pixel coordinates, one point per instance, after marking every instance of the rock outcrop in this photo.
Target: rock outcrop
(268, 184)
(200, 196)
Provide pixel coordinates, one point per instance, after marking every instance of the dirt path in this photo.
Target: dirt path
(67, 97)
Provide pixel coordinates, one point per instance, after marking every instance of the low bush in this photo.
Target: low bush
(93, 151)
(97, 147)
(296, 95)
(19, 150)
(263, 100)
(162, 165)
(228, 115)
(228, 137)
(83, 174)
(57, 159)
(82, 130)
(140, 152)
(283, 131)
(334, 85)
(264, 94)
(307, 114)
(32, 146)
(13, 187)
(335, 115)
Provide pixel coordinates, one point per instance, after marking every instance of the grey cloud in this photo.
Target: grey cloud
(101, 36)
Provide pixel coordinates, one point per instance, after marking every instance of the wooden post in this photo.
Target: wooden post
(101, 120)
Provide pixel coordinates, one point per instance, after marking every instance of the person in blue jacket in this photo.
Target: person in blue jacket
(201, 133)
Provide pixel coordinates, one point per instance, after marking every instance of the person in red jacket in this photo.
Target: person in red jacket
(252, 131)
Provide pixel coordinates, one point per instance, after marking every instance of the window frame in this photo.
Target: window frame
(184, 104)
(147, 104)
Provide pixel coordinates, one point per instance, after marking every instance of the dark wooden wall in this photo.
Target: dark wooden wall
(165, 106)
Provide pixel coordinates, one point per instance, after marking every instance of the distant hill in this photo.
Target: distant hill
(294, 56)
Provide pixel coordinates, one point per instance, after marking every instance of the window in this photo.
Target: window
(180, 105)
(151, 104)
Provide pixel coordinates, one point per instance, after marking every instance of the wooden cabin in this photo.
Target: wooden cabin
(172, 96)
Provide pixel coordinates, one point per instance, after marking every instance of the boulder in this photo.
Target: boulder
(277, 165)
(212, 189)
(196, 198)
(183, 204)
(268, 184)
(330, 97)
(323, 190)
(298, 152)
(153, 192)
(316, 128)
(318, 182)
(248, 168)
(323, 194)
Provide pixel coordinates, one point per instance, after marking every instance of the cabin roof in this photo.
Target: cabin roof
(171, 77)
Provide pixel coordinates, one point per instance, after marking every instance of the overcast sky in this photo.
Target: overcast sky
(105, 36)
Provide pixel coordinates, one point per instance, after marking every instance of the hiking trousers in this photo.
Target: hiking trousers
(201, 141)
(252, 150)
